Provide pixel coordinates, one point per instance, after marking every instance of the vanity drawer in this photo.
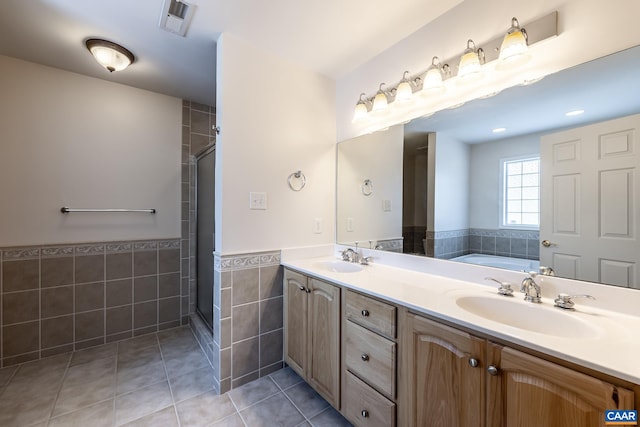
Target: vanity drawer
(364, 406)
(371, 357)
(373, 314)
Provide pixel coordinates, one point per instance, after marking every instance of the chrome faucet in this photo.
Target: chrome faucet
(531, 289)
(349, 255)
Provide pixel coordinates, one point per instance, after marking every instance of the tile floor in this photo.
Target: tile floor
(159, 380)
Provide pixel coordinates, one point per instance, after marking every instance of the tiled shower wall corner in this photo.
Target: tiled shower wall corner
(198, 134)
(448, 244)
(62, 298)
(247, 318)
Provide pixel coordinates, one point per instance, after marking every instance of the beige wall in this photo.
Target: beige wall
(275, 118)
(72, 140)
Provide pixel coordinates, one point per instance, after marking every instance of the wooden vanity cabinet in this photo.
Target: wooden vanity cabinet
(529, 391)
(369, 355)
(456, 379)
(312, 332)
(444, 377)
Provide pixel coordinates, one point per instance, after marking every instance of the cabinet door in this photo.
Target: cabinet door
(529, 391)
(295, 321)
(324, 330)
(445, 375)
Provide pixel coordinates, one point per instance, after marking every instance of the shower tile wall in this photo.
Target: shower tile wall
(447, 244)
(513, 243)
(198, 134)
(56, 299)
(198, 123)
(247, 318)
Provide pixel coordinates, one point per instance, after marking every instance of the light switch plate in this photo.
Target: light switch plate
(257, 201)
(349, 224)
(386, 205)
(317, 225)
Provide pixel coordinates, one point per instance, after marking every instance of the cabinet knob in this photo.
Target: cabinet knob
(473, 362)
(364, 357)
(365, 313)
(308, 290)
(364, 413)
(493, 371)
(302, 288)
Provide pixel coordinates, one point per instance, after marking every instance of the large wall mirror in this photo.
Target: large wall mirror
(544, 174)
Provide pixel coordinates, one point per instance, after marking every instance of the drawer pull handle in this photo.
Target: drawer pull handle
(364, 357)
(365, 313)
(364, 413)
(493, 371)
(473, 362)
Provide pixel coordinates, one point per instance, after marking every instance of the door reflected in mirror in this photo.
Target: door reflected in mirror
(441, 189)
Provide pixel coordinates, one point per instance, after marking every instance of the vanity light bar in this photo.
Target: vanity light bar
(536, 31)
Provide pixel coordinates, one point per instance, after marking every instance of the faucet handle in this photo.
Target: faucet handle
(564, 301)
(505, 287)
(365, 260)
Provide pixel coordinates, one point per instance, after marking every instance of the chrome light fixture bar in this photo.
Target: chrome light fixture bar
(509, 48)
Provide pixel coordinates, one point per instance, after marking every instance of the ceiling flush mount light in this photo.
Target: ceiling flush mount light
(498, 130)
(110, 55)
(471, 61)
(574, 113)
(514, 45)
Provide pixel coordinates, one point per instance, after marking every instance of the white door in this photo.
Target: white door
(590, 194)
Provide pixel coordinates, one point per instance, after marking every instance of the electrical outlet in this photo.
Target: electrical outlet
(258, 201)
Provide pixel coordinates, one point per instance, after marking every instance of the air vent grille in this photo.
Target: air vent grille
(176, 16)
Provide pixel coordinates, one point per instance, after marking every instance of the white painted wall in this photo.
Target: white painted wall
(275, 118)
(484, 190)
(378, 157)
(588, 29)
(72, 140)
(451, 210)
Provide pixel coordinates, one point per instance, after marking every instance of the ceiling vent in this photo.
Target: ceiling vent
(176, 16)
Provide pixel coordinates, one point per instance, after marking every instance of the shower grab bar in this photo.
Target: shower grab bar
(66, 210)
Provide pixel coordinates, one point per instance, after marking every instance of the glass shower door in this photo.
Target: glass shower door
(205, 205)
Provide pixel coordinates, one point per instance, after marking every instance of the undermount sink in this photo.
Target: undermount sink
(528, 316)
(339, 266)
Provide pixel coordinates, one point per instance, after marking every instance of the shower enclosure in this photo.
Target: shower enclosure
(205, 237)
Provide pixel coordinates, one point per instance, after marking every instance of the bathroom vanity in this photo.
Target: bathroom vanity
(390, 346)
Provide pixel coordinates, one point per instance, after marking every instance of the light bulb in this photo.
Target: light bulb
(514, 49)
(470, 65)
(404, 91)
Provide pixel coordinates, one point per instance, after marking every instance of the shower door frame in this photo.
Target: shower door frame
(205, 152)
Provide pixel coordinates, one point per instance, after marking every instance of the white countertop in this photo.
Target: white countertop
(594, 335)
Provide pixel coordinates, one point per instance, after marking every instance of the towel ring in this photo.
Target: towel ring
(297, 181)
(367, 187)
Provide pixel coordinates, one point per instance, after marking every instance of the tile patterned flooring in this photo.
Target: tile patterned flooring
(159, 380)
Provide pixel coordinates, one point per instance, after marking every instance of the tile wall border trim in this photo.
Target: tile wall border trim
(246, 261)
